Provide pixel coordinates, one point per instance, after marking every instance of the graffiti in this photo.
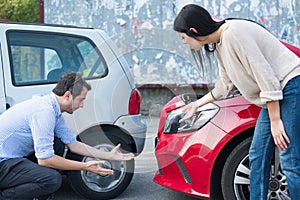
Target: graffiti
(147, 24)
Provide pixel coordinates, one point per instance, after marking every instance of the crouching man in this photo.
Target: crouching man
(36, 126)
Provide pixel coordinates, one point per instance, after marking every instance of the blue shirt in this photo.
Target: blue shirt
(30, 126)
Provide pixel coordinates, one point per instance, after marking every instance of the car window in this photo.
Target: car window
(42, 57)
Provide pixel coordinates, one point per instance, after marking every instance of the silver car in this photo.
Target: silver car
(33, 57)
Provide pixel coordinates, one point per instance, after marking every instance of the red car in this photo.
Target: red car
(207, 156)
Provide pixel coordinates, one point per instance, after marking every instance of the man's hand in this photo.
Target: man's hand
(117, 155)
(94, 166)
(89, 151)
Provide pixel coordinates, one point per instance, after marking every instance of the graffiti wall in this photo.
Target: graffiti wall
(143, 31)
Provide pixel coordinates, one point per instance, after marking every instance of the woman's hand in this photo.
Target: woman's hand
(117, 155)
(192, 107)
(190, 110)
(279, 135)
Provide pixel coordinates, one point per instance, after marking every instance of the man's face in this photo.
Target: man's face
(77, 102)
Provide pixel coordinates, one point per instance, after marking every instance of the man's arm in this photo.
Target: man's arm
(89, 151)
(61, 163)
(80, 148)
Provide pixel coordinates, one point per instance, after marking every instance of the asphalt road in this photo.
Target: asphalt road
(141, 187)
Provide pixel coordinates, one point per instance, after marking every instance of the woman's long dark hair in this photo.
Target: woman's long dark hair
(194, 16)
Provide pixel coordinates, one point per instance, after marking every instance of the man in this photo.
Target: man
(37, 126)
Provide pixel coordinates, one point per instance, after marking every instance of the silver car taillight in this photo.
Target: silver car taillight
(135, 102)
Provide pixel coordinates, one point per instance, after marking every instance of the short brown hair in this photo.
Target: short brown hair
(72, 82)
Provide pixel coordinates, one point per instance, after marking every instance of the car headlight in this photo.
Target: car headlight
(203, 115)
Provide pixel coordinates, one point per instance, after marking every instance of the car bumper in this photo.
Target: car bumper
(185, 160)
(135, 127)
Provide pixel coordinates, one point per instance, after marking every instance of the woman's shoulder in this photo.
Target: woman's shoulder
(243, 29)
(243, 24)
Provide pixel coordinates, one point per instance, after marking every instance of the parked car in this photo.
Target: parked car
(33, 57)
(207, 156)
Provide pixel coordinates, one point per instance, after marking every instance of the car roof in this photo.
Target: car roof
(41, 24)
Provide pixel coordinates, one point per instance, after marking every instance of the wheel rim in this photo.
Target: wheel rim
(278, 188)
(105, 183)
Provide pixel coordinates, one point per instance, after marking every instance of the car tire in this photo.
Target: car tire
(237, 158)
(93, 186)
(235, 181)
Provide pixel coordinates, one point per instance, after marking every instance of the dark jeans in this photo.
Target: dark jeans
(23, 178)
(262, 147)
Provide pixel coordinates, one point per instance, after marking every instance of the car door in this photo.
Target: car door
(2, 91)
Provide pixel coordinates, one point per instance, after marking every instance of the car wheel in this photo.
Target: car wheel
(94, 186)
(235, 181)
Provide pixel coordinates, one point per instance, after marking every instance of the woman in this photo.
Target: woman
(253, 61)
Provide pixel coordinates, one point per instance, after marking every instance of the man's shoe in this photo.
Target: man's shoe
(51, 197)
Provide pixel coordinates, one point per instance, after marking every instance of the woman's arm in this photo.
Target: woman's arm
(279, 135)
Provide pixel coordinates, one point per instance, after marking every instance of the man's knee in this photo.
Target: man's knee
(52, 180)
